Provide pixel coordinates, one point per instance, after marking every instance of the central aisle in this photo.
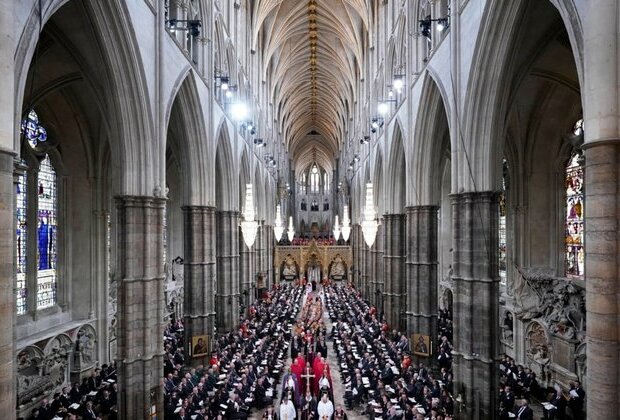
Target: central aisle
(332, 361)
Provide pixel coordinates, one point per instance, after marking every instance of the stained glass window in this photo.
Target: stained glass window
(574, 215)
(47, 232)
(108, 236)
(502, 223)
(165, 228)
(20, 242)
(314, 180)
(32, 130)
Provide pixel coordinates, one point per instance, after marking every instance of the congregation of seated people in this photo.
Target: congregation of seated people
(93, 399)
(243, 370)
(377, 367)
(520, 386)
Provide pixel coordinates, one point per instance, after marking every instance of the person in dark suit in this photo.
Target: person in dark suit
(507, 399)
(387, 376)
(89, 412)
(575, 403)
(525, 412)
(559, 412)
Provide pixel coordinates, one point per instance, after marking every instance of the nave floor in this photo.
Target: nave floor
(332, 361)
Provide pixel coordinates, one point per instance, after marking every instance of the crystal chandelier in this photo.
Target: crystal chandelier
(346, 224)
(278, 229)
(336, 229)
(291, 229)
(369, 222)
(249, 226)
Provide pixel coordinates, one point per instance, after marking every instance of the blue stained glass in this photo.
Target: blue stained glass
(46, 235)
(502, 223)
(20, 243)
(32, 130)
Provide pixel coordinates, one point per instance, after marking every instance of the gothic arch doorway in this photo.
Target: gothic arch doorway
(314, 269)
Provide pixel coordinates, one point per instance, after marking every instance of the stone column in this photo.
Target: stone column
(227, 263)
(7, 279)
(261, 257)
(376, 271)
(421, 269)
(269, 248)
(363, 267)
(141, 305)
(247, 267)
(394, 267)
(354, 241)
(476, 301)
(602, 212)
(602, 207)
(199, 271)
(7, 217)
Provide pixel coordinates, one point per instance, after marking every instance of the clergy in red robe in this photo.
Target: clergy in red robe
(323, 383)
(319, 364)
(300, 361)
(298, 369)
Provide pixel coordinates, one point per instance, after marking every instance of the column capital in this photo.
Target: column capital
(423, 207)
(198, 208)
(126, 201)
(479, 196)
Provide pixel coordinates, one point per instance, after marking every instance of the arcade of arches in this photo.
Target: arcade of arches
(474, 145)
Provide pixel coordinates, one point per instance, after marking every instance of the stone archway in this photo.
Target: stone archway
(314, 269)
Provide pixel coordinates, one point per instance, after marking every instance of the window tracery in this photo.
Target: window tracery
(39, 210)
(574, 206)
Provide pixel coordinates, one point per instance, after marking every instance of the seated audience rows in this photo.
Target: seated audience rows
(244, 367)
(95, 398)
(376, 364)
(521, 383)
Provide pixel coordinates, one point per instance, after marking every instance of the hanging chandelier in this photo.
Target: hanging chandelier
(291, 229)
(336, 229)
(369, 222)
(346, 224)
(278, 229)
(249, 226)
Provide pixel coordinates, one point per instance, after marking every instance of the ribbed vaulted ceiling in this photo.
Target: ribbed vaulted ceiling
(313, 51)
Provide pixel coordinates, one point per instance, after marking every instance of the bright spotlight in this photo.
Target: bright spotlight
(239, 111)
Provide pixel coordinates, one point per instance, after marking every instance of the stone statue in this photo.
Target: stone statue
(31, 381)
(538, 348)
(84, 355)
(337, 268)
(289, 270)
(507, 327)
(557, 302)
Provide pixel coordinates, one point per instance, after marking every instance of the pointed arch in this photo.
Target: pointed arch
(395, 177)
(377, 182)
(432, 141)
(225, 197)
(186, 131)
(125, 94)
(491, 69)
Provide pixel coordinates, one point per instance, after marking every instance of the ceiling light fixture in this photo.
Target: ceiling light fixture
(239, 111)
(291, 230)
(249, 226)
(278, 229)
(336, 229)
(192, 26)
(346, 224)
(369, 223)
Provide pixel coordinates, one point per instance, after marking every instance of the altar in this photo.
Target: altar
(313, 260)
